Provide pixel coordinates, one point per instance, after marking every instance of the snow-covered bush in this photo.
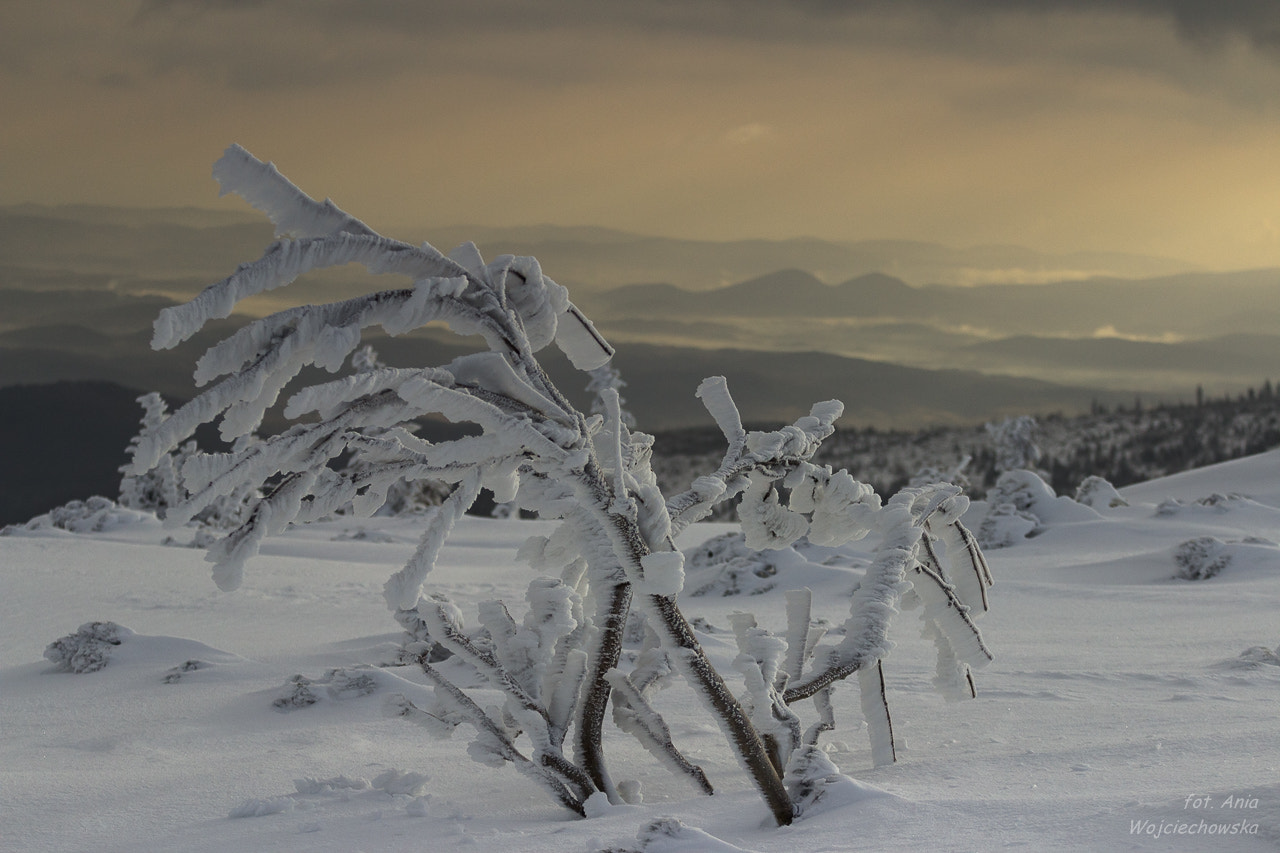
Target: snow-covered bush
(1021, 505)
(301, 692)
(88, 649)
(1201, 558)
(1096, 492)
(724, 565)
(92, 515)
(1005, 525)
(559, 667)
(1216, 504)
(159, 487)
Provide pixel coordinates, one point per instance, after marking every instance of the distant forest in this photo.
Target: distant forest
(1125, 444)
(66, 440)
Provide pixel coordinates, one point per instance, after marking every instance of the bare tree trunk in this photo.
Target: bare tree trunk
(629, 547)
(613, 605)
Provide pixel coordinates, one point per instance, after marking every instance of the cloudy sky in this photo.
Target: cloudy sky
(1149, 126)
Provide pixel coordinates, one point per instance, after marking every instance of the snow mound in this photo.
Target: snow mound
(816, 784)
(1005, 526)
(669, 835)
(94, 645)
(95, 515)
(405, 788)
(1255, 657)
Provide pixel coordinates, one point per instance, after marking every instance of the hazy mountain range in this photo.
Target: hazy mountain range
(1161, 335)
(168, 246)
(80, 286)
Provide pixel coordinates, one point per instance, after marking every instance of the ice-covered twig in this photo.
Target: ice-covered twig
(875, 710)
(633, 714)
(772, 454)
(494, 741)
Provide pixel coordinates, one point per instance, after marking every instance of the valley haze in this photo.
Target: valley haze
(80, 286)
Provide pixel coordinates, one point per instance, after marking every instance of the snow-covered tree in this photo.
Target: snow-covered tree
(559, 667)
(1015, 442)
(605, 377)
(158, 488)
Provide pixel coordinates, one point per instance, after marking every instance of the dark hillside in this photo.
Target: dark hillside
(61, 442)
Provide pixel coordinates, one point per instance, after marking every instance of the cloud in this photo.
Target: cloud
(1110, 331)
(1202, 21)
(1056, 123)
(748, 133)
(255, 44)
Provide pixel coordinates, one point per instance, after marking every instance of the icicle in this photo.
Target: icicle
(799, 605)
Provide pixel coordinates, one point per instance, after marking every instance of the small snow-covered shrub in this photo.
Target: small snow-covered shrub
(1215, 503)
(88, 649)
(1022, 505)
(1254, 657)
(177, 673)
(406, 496)
(1096, 492)
(296, 693)
(159, 487)
(341, 683)
(1201, 558)
(94, 515)
(1005, 526)
(557, 667)
(724, 565)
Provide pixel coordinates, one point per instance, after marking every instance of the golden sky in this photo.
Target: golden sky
(1149, 126)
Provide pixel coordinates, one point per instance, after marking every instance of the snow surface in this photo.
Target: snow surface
(1125, 709)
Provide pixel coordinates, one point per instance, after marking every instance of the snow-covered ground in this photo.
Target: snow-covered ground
(1125, 710)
